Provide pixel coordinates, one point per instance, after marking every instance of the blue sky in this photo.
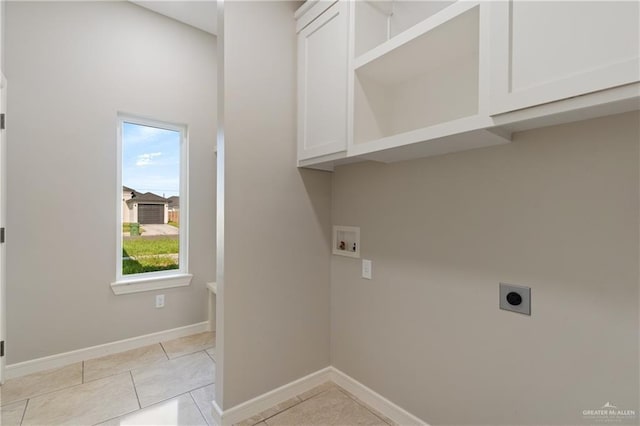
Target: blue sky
(151, 159)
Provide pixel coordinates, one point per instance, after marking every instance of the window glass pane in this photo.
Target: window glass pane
(150, 199)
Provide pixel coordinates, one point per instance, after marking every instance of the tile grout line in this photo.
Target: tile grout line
(156, 403)
(198, 407)
(24, 413)
(201, 387)
(180, 394)
(137, 397)
(164, 350)
(300, 401)
(144, 366)
(361, 403)
(264, 419)
(38, 395)
(204, 351)
(111, 374)
(317, 394)
(135, 389)
(174, 396)
(116, 417)
(208, 354)
(194, 352)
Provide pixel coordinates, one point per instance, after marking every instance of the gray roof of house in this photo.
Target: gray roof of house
(174, 201)
(150, 196)
(147, 197)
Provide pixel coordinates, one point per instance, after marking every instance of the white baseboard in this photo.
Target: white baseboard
(256, 405)
(60, 360)
(267, 400)
(373, 399)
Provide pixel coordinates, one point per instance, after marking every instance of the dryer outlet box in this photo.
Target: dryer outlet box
(515, 298)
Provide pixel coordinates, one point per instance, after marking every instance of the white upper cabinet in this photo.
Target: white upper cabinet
(545, 51)
(391, 80)
(323, 74)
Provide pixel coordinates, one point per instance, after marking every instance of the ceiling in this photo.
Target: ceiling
(197, 13)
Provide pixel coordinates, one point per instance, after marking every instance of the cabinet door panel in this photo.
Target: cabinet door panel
(547, 51)
(322, 84)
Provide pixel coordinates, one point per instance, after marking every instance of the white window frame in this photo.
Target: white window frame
(147, 281)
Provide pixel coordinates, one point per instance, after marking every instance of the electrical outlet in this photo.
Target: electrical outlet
(515, 298)
(160, 301)
(366, 269)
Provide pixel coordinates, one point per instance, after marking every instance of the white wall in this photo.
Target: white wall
(274, 292)
(71, 67)
(556, 210)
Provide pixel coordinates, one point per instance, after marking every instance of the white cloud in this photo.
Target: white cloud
(147, 159)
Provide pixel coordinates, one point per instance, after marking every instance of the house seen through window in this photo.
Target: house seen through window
(152, 185)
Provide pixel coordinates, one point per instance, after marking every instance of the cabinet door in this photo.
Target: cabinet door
(544, 51)
(323, 71)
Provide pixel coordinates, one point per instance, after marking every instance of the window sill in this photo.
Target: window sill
(151, 283)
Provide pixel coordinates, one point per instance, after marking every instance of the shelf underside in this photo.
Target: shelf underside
(439, 146)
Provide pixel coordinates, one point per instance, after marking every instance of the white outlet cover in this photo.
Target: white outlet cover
(160, 301)
(367, 267)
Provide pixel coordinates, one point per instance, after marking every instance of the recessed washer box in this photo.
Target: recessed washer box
(346, 241)
(515, 298)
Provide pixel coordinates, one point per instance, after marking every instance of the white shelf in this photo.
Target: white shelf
(453, 136)
(416, 43)
(402, 95)
(328, 162)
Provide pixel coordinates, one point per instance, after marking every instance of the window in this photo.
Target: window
(151, 206)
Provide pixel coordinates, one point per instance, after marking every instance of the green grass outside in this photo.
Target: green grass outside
(148, 264)
(135, 247)
(148, 254)
(176, 224)
(126, 227)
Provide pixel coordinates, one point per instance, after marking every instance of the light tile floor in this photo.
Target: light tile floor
(325, 405)
(170, 383)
